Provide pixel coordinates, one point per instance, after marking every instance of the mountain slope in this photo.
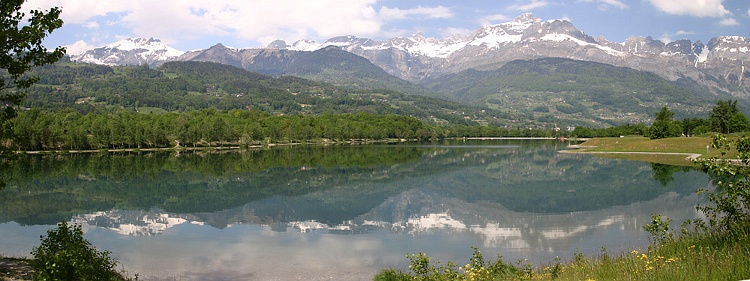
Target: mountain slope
(577, 91)
(329, 65)
(705, 72)
(717, 65)
(178, 86)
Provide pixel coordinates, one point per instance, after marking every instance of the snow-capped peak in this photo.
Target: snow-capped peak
(150, 44)
(306, 45)
(522, 22)
(130, 51)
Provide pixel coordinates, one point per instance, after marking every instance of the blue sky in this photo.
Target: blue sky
(199, 24)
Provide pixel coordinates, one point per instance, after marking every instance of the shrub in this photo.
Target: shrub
(477, 269)
(65, 255)
(731, 210)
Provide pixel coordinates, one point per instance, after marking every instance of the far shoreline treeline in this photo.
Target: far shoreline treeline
(40, 130)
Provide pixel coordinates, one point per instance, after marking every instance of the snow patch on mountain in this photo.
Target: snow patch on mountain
(522, 22)
(523, 29)
(564, 37)
(496, 39)
(130, 51)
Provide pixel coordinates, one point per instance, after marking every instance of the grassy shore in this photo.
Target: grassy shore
(690, 257)
(712, 253)
(672, 151)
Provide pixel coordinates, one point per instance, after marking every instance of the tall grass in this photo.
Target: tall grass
(692, 256)
(715, 248)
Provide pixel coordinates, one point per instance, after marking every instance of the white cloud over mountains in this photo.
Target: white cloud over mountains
(697, 8)
(531, 5)
(259, 21)
(190, 24)
(605, 4)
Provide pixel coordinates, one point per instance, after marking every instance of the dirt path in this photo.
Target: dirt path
(688, 156)
(15, 269)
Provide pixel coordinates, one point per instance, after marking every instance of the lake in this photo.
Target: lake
(341, 212)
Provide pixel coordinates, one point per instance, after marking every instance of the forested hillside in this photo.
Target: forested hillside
(576, 92)
(189, 104)
(179, 86)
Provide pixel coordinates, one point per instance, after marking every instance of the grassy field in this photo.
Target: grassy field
(673, 151)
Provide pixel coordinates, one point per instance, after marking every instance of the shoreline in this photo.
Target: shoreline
(688, 156)
(258, 146)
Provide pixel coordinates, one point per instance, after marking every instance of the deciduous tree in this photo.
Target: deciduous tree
(726, 117)
(21, 49)
(664, 126)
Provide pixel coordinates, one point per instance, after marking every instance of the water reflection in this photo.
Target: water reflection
(341, 212)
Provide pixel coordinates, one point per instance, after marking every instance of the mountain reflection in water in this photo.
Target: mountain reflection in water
(341, 211)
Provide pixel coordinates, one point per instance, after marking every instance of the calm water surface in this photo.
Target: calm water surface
(341, 212)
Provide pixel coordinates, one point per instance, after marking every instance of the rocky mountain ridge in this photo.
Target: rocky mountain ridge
(717, 66)
(130, 51)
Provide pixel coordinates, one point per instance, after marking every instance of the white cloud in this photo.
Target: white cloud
(418, 12)
(605, 4)
(667, 37)
(697, 8)
(493, 19)
(78, 47)
(615, 3)
(729, 22)
(91, 25)
(79, 12)
(528, 6)
(259, 21)
(450, 31)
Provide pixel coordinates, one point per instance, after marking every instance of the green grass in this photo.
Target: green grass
(707, 256)
(641, 144)
(691, 257)
(660, 150)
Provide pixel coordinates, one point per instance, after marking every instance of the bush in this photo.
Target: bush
(731, 210)
(477, 269)
(65, 255)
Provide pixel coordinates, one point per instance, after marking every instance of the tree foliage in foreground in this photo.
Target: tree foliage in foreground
(21, 49)
(731, 210)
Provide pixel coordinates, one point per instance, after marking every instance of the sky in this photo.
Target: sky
(200, 24)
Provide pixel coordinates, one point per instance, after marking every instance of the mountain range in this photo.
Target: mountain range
(412, 64)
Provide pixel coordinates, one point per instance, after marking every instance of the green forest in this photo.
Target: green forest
(197, 104)
(184, 86)
(68, 129)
